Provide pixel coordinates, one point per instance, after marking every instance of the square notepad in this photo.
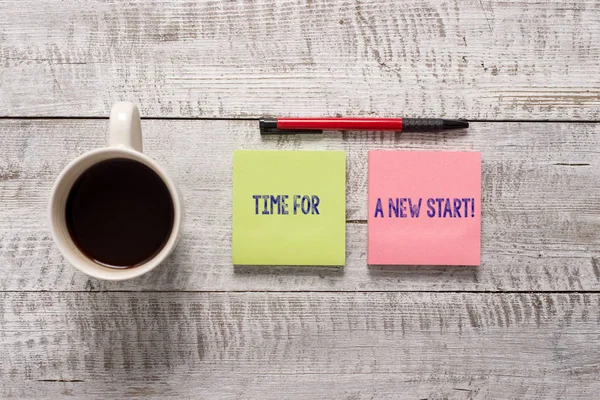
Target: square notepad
(289, 207)
(424, 208)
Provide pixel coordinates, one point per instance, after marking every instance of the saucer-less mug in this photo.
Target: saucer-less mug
(125, 142)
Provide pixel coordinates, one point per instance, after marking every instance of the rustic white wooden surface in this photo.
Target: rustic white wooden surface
(524, 325)
(480, 59)
(300, 345)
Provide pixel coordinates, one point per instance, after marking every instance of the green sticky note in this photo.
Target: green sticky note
(289, 207)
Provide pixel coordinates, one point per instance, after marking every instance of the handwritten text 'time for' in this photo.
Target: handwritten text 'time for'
(283, 204)
(436, 207)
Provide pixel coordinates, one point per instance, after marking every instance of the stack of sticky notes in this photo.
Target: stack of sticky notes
(423, 208)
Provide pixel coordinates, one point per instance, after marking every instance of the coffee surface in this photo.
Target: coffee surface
(120, 213)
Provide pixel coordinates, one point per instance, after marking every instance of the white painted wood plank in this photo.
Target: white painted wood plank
(477, 59)
(299, 345)
(541, 217)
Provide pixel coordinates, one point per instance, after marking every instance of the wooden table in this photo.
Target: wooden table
(523, 325)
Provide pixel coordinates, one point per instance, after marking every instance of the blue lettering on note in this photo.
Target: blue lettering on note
(284, 204)
(275, 201)
(439, 201)
(315, 203)
(378, 208)
(465, 201)
(415, 209)
(457, 204)
(430, 209)
(271, 204)
(265, 204)
(305, 204)
(402, 208)
(256, 197)
(407, 207)
(393, 207)
(448, 209)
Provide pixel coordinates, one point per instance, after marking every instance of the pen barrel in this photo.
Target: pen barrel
(341, 124)
(422, 124)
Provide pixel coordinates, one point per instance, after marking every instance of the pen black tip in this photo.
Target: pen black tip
(454, 124)
(267, 123)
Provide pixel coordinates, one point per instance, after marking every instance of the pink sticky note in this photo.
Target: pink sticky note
(424, 208)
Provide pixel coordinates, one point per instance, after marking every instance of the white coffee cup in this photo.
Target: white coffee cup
(125, 131)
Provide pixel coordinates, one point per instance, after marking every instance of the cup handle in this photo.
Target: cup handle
(125, 127)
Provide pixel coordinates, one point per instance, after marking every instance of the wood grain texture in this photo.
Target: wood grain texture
(302, 345)
(540, 229)
(478, 59)
(198, 327)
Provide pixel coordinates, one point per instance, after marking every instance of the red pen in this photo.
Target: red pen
(318, 125)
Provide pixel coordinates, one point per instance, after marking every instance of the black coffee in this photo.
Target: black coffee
(120, 213)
